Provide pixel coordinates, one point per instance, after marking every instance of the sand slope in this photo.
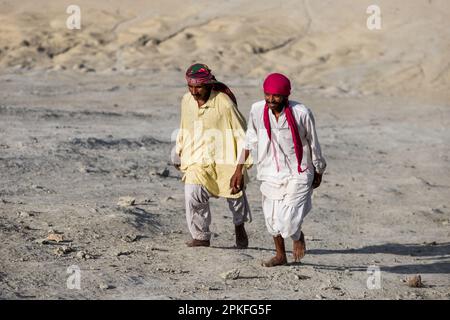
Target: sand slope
(320, 44)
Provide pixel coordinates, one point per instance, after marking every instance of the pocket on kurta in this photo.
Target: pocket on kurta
(286, 140)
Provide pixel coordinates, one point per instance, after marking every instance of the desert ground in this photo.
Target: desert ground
(87, 117)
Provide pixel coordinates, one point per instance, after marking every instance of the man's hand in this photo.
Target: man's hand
(237, 181)
(317, 180)
(176, 160)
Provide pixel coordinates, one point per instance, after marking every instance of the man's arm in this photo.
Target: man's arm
(237, 180)
(318, 160)
(176, 154)
(251, 142)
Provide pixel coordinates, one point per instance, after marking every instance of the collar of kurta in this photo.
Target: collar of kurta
(282, 117)
(293, 128)
(210, 102)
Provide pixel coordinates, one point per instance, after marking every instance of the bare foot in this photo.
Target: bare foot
(299, 248)
(275, 261)
(197, 243)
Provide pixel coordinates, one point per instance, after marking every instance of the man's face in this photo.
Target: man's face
(275, 101)
(200, 92)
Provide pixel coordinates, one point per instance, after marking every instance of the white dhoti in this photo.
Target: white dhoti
(198, 213)
(285, 206)
(286, 192)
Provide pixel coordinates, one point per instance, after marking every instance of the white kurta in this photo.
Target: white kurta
(286, 193)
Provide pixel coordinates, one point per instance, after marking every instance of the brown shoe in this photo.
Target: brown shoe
(241, 237)
(197, 243)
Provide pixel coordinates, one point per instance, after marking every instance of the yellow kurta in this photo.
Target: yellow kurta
(209, 142)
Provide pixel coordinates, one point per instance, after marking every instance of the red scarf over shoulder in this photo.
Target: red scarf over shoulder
(277, 83)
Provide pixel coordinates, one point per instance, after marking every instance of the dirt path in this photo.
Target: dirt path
(70, 147)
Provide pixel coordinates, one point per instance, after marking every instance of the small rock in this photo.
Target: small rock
(335, 288)
(415, 282)
(126, 201)
(230, 275)
(320, 297)
(130, 238)
(300, 277)
(436, 210)
(62, 250)
(59, 67)
(84, 255)
(105, 286)
(213, 288)
(115, 88)
(55, 237)
(165, 173)
(41, 241)
(123, 253)
(25, 214)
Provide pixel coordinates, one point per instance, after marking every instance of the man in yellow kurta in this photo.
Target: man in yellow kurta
(212, 132)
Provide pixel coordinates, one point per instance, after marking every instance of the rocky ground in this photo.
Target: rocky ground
(71, 146)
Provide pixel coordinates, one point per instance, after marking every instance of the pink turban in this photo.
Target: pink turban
(276, 83)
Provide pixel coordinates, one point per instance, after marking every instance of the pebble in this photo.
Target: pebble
(130, 238)
(62, 250)
(165, 173)
(126, 201)
(415, 281)
(230, 275)
(105, 286)
(84, 255)
(123, 253)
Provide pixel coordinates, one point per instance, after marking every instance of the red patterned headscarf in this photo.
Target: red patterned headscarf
(199, 74)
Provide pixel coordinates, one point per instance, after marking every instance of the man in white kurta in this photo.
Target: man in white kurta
(286, 189)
